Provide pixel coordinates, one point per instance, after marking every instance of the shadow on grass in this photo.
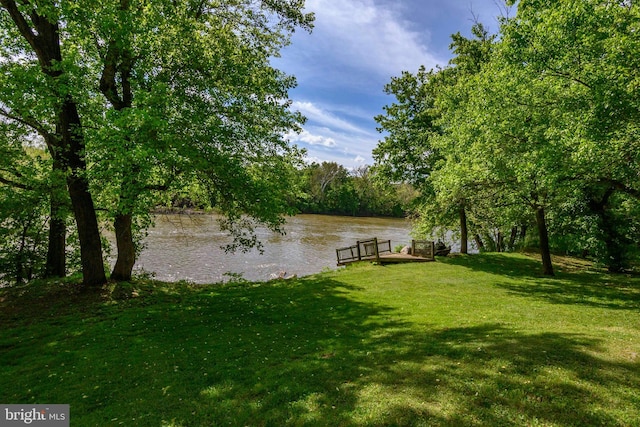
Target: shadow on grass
(305, 352)
(588, 288)
(507, 264)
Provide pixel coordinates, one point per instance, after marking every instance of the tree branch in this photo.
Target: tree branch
(42, 36)
(14, 184)
(158, 187)
(31, 122)
(108, 85)
(22, 24)
(117, 60)
(622, 187)
(556, 73)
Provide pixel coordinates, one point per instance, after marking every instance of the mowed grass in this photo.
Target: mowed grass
(478, 340)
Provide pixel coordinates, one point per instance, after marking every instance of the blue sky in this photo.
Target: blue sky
(353, 51)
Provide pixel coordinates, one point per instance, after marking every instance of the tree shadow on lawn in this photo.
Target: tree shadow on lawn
(305, 352)
(588, 288)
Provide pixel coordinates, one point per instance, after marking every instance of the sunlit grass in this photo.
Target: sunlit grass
(470, 340)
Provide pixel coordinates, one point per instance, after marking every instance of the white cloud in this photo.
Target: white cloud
(312, 159)
(328, 137)
(366, 35)
(323, 117)
(328, 145)
(354, 49)
(311, 139)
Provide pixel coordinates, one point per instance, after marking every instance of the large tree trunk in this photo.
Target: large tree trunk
(119, 61)
(512, 239)
(464, 233)
(83, 208)
(57, 243)
(126, 249)
(500, 242)
(43, 35)
(613, 241)
(479, 242)
(88, 234)
(523, 234)
(56, 248)
(545, 252)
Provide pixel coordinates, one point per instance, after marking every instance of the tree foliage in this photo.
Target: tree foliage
(541, 132)
(135, 97)
(413, 150)
(329, 188)
(23, 205)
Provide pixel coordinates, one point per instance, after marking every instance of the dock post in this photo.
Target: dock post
(358, 245)
(375, 248)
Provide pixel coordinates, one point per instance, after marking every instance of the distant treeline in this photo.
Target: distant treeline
(331, 189)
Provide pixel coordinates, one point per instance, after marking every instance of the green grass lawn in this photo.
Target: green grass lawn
(478, 340)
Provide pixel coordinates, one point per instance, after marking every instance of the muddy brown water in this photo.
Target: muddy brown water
(188, 247)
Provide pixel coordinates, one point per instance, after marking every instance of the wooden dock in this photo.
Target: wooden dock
(380, 251)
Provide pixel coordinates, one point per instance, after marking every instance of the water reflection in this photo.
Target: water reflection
(188, 247)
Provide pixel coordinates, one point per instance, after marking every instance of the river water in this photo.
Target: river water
(188, 247)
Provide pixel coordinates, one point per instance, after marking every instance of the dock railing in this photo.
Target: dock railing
(369, 249)
(423, 248)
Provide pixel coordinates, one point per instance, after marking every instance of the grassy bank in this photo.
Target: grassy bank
(474, 340)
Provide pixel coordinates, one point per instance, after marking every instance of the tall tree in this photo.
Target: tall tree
(17, 132)
(545, 120)
(191, 95)
(589, 49)
(31, 192)
(409, 151)
(39, 26)
(173, 92)
(500, 120)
